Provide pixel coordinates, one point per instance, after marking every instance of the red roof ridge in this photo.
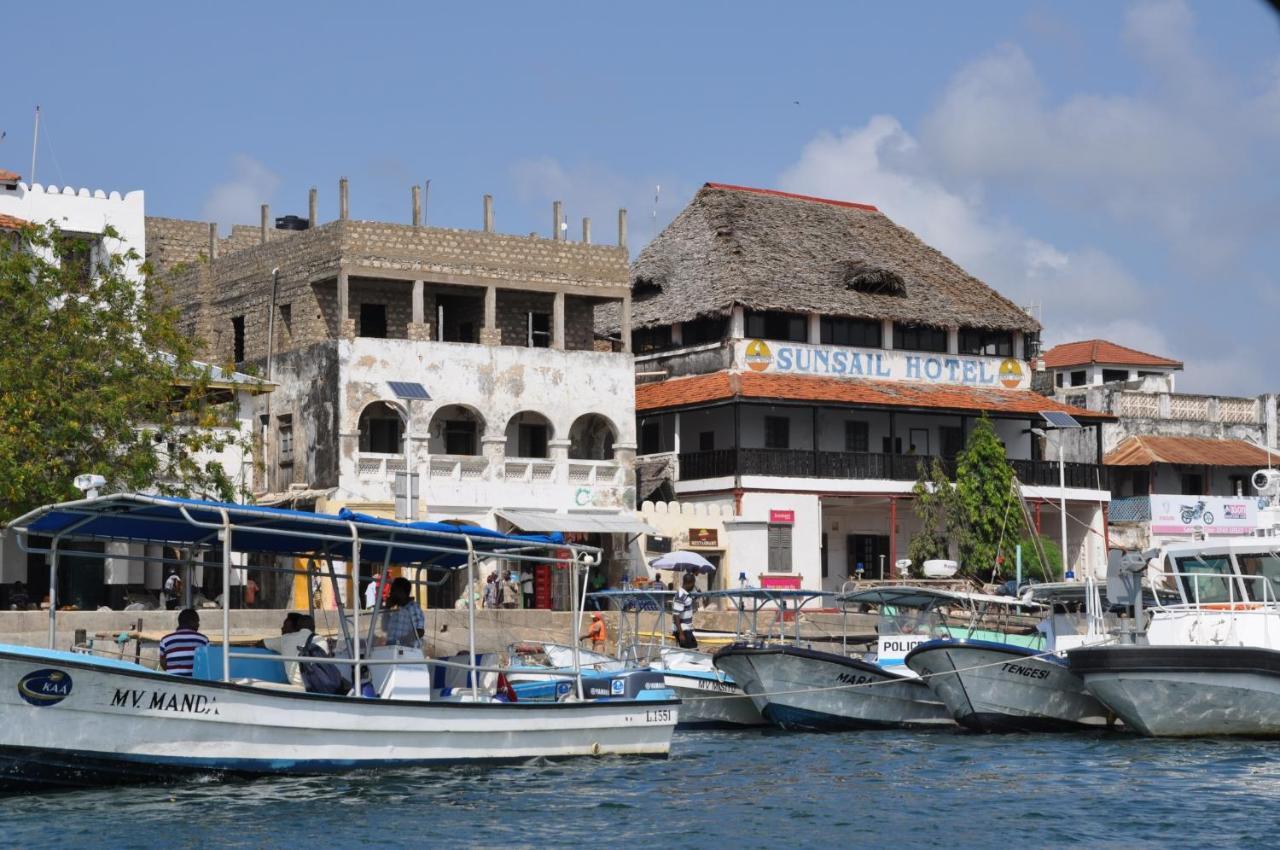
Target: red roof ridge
(12, 222)
(792, 195)
(1089, 351)
(9, 176)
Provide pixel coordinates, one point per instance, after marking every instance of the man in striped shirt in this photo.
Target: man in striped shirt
(178, 648)
(682, 614)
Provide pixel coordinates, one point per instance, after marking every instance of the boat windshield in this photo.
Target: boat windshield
(1207, 578)
(1267, 565)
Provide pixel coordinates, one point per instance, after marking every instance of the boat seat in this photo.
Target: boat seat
(446, 681)
(266, 666)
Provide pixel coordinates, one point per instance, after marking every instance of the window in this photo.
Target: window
(1261, 564)
(777, 432)
(284, 435)
(857, 436)
(702, 331)
(706, 441)
(779, 548)
(863, 333)
(1206, 578)
(787, 327)
(381, 429)
(1057, 379)
(1141, 482)
(651, 339)
(532, 440)
(1079, 377)
(822, 553)
(1112, 375)
(919, 338)
(989, 343)
(286, 318)
(650, 437)
(373, 320)
(1192, 484)
(456, 317)
(1237, 485)
(918, 444)
(75, 255)
(539, 330)
(952, 440)
(459, 437)
(237, 335)
(891, 445)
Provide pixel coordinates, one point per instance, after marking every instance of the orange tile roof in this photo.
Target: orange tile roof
(1193, 451)
(722, 386)
(10, 222)
(9, 176)
(1090, 351)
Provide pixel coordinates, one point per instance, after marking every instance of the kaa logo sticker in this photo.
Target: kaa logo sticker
(45, 687)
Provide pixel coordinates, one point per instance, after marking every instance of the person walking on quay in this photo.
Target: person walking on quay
(172, 591)
(682, 614)
(597, 633)
(511, 591)
(178, 648)
(526, 586)
(492, 597)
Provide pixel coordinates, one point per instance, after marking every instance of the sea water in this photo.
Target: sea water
(726, 789)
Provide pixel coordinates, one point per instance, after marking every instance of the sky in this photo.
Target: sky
(1112, 166)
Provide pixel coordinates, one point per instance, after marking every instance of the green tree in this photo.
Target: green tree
(986, 518)
(96, 377)
(1031, 565)
(932, 504)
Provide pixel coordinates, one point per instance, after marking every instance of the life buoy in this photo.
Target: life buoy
(1231, 606)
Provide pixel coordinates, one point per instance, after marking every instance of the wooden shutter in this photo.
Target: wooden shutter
(779, 548)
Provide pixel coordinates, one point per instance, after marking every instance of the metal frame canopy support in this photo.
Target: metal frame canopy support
(1060, 421)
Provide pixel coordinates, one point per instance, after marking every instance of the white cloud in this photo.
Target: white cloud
(239, 199)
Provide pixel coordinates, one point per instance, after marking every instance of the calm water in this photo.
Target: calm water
(726, 789)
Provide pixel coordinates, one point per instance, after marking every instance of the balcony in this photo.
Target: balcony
(791, 463)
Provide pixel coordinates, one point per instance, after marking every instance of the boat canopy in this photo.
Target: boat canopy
(909, 596)
(180, 522)
(612, 522)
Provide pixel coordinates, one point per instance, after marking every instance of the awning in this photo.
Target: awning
(617, 522)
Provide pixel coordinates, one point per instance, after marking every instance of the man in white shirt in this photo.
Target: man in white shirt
(294, 633)
(526, 586)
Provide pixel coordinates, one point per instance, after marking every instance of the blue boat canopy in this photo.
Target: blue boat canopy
(179, 522)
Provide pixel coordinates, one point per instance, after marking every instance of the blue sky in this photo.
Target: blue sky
(1114, 164)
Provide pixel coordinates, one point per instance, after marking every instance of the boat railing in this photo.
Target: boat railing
(1239, 599)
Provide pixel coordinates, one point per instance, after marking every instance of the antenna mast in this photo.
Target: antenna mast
(35, 144)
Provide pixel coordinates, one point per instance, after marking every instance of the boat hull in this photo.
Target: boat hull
(67, 722)
(709, 700)
(797, 688)
(995, 687)
(1186, 691)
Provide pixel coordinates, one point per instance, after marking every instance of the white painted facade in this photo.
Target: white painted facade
(83, 211)
(494, 383)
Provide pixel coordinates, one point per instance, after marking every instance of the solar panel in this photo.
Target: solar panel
(409, 390)
(1059, 420)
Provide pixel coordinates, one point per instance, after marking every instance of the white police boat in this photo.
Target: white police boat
(73, 719)
(1209, 663)
(1020, 683)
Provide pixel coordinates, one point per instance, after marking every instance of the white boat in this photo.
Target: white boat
(1021, 686)
(798, 687)
(75, 719)
(1208, 664)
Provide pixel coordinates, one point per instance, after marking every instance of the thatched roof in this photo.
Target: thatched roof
(771, 250)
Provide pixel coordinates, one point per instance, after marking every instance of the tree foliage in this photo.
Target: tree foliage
(95, 377)
(932, 505)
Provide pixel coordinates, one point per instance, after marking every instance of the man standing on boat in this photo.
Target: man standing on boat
(682, 614)
(597, 633)
(404, 622)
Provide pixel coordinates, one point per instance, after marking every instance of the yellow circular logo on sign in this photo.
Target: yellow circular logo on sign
(758, 355)
(1011, 373)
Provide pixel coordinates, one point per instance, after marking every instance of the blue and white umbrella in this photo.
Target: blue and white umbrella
(683, 562)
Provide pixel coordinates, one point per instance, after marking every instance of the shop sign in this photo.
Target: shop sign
(657, 543)
(777, 517)
(1172, 514)
(704, 537)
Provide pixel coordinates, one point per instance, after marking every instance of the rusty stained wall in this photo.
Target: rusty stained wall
(308, 392)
